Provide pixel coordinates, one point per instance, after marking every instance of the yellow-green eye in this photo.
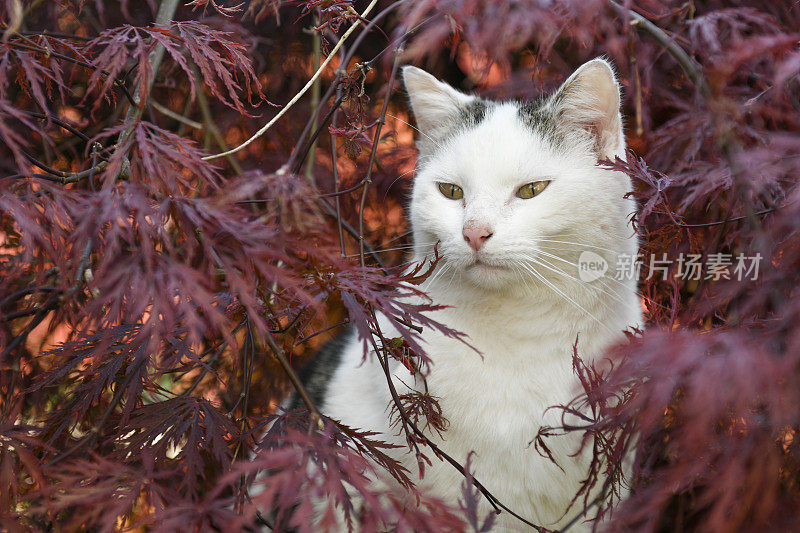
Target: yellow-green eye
(532, 189)
(452, 191)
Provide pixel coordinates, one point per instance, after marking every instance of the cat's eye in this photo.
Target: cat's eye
(532, 189)
(451, 190)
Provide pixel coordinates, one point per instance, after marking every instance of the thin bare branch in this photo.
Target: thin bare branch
(376, 139)
(316, 417)
(687, 64)
(305, 88)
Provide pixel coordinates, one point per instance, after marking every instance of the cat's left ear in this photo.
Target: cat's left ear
(435, 104)
(590, 100)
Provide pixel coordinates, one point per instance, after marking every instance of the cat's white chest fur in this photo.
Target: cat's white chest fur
(495, 401)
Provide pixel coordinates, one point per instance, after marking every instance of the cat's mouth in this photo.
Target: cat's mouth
(486, 266)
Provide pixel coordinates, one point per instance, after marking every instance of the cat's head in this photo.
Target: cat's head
(512, 191)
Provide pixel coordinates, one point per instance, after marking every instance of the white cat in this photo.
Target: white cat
(513, 196)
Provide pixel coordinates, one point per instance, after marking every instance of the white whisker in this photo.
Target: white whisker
(547, 254)
(441, 268)
(619, 283)
(561, 293)
(452, 278)
(604, 290)
(416, 129)
(401, 236)
(395, 181)
(580, 244)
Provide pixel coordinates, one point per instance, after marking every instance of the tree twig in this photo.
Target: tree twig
(309, 148)
(347, 56)
(687, 64)
(65, 177)
(50, 118)
(315, 100)
(734, 219)
(305, 88)
(320, 332)
(335, 170)
(247, 378)
(373, 153)
(352, 231)
(316, 417)
(211, 125)
(176, 116)
(164, 16)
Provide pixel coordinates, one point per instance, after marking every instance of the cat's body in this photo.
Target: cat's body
(509, 276)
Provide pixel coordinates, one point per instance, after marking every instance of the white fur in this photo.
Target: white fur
(523, 328)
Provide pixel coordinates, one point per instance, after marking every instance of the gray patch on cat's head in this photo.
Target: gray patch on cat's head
(535, 114)
(473, 113)
(469, 116)
(538, 116)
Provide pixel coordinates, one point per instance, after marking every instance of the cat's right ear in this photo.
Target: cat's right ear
(435, 104)
(590, 101)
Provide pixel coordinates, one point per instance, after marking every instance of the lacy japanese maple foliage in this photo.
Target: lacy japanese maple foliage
(154, 301)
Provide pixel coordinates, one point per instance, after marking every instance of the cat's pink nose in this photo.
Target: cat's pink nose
(476, 236)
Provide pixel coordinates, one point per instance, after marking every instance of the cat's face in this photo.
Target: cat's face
(512, 192)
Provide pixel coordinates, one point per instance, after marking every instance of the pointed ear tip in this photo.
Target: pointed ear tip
(410, 72)
(602, 64)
